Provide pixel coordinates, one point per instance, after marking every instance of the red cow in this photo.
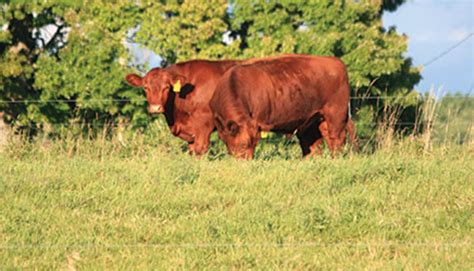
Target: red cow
(182, 92)
(289, 94)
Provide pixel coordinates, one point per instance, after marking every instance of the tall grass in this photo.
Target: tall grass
(122, 199)
(137, 200)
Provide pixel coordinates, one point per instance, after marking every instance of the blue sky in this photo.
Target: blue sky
(433, 26)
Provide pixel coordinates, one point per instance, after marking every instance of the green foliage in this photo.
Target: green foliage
(137, 204)
(90, 70)
(87, 58)
(184, 30)
(454, 120)
(350, 30)
(20, 48)
(391, 5)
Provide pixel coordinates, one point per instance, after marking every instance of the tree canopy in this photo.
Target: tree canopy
(78, 50)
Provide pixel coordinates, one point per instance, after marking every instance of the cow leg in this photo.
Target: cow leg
(200, 144)
(304, 144)
(317, 147)
(336, 136)
(197, 148)
(350, 129)
(336, 122)
(249, 154)
(352, 134)
(200, 147)
(321, 134)
(310, 140)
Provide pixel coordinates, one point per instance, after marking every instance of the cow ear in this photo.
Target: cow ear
(178, 77)
(178, 81)
(180, 84)
(233, 127)
(134, 80)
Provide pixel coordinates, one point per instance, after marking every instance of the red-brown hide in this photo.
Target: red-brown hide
(288, 94)
(187, 112)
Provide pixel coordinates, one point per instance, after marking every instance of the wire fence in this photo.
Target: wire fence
(129, 124)
(447, 51)
(70, 101)
(433, 244)
(144, 100)
(110, 122)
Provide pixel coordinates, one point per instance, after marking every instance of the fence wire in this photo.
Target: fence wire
(71, 101)
(144, 100)
(236, 245)
(128, 124)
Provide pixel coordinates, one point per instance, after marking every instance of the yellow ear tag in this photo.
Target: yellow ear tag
(263, 134)
(177, 86)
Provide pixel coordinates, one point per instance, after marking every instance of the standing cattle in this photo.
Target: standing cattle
(289, 94)
(182, 92)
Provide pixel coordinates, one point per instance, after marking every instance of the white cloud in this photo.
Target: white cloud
(425, 36)
(459, 34)
(447, 35)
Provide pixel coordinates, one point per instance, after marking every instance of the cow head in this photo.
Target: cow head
(240, 137)
(158, 83)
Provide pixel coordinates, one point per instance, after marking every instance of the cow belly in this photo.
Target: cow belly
(287, 127)
(292, 124)
(288, 117)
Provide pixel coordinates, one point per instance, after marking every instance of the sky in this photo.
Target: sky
(432, 27)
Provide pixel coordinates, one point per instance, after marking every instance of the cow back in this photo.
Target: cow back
(282, 93)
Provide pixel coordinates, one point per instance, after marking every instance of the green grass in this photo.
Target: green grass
(95, 204)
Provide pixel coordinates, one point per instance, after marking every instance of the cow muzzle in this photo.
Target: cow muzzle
(155, 109)
(244, 155)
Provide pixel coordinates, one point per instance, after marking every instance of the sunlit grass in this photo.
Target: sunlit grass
(93, 204)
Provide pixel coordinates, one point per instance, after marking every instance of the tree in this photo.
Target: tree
(83, 60)
(91, 67)
(20, 48)
(350, 30)
(86, 58)
(184, 30)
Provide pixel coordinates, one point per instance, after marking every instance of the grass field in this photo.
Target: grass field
(103, 204)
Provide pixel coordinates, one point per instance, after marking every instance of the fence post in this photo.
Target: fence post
(4, 132)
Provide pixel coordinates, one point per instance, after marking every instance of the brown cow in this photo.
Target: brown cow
(187, 112)
(292, 93)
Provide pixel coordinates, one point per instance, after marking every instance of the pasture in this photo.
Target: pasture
(90, 180)
(138, 202)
